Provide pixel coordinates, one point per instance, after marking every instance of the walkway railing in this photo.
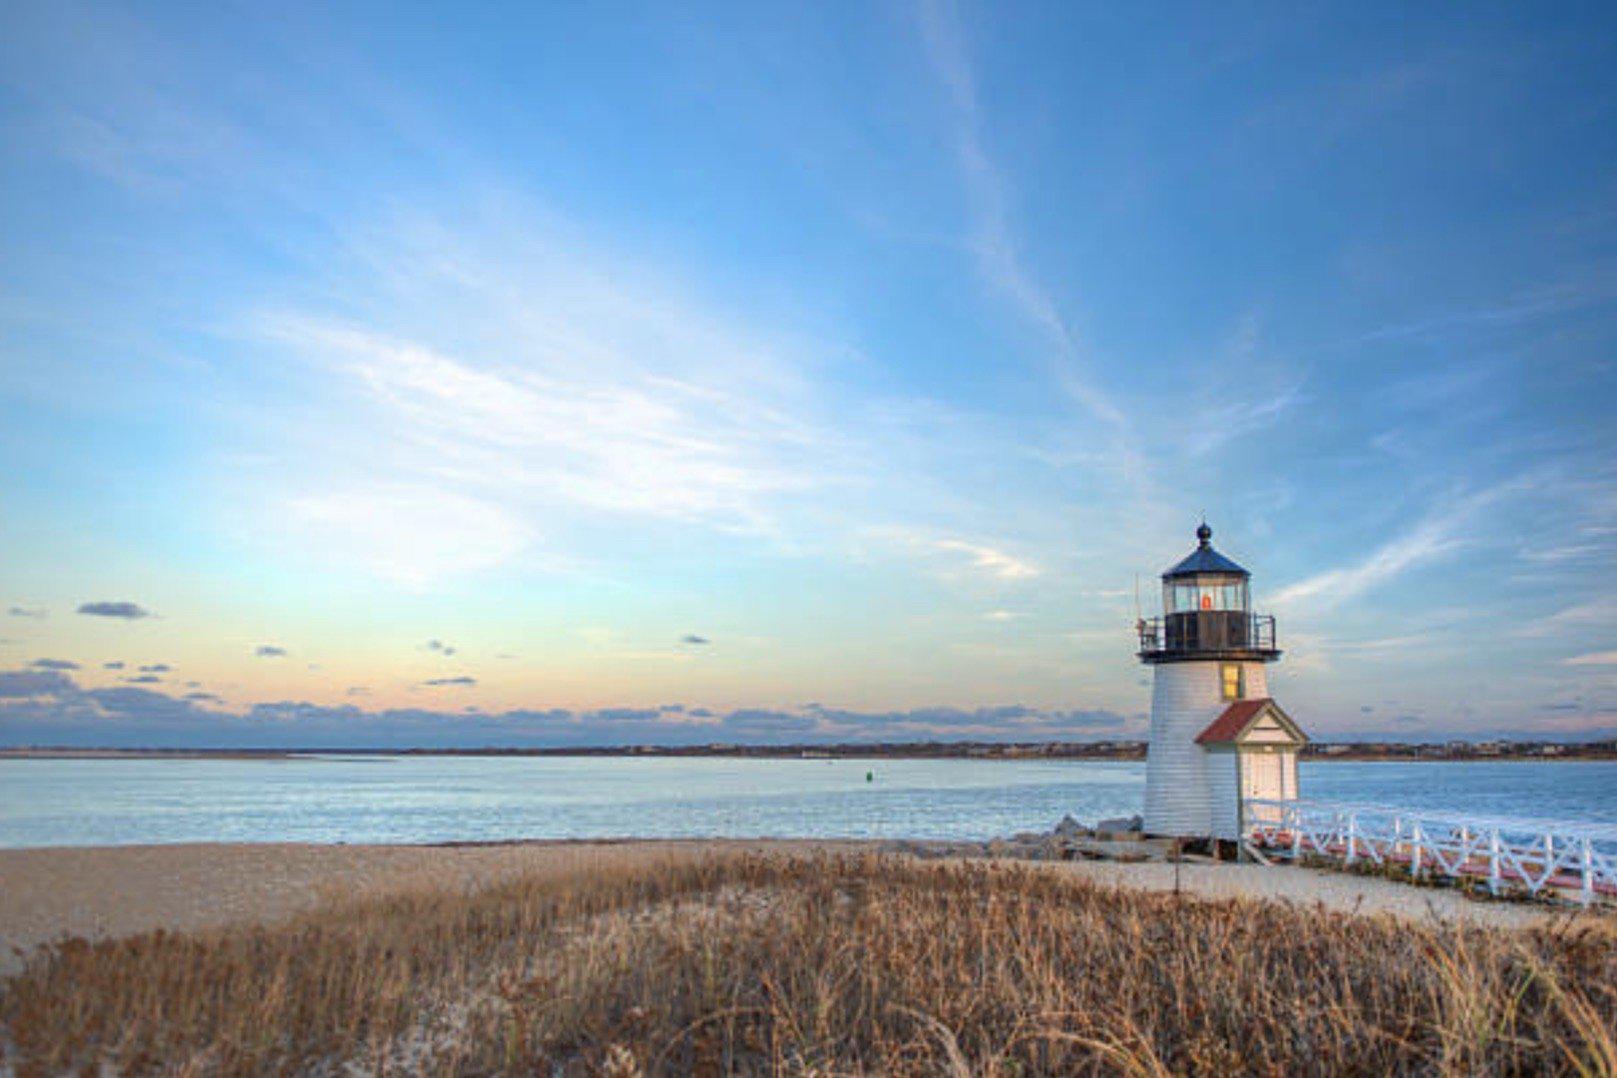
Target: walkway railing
(1538, 856)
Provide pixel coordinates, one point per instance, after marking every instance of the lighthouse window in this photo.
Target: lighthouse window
(1234, 682)
(1181, 598)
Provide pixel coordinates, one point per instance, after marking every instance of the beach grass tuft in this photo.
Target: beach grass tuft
(832, 963)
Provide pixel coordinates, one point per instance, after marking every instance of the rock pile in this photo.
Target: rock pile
(1112, 840)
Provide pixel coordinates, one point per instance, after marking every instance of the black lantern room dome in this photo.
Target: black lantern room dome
(1204, 559)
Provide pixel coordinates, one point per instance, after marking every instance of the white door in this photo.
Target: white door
(1262, 776)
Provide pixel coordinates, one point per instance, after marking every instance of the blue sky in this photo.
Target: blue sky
(589, 374)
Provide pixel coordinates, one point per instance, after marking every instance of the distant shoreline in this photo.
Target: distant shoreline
(151, 754)
(1122, 752)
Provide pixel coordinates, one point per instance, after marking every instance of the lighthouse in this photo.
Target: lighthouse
(1218, 740)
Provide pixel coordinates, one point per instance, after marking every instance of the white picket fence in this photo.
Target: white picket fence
(1536, 856)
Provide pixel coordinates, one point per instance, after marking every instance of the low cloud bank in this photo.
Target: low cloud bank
(48, 707)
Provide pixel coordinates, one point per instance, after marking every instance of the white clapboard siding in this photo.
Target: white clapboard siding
(1223, 787)
(1185, 698)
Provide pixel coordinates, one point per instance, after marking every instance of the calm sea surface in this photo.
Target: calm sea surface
(436, 799)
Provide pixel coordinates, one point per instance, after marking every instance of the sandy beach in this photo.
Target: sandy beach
(121, 890)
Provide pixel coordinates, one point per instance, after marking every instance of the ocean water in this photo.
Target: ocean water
(444, 798)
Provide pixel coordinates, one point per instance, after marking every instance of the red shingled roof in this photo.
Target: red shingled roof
(1236, 717)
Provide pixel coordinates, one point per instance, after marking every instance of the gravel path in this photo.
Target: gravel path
(118, 890)
(1334, 890)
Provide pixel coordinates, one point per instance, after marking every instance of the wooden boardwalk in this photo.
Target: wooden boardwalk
(1540, 858)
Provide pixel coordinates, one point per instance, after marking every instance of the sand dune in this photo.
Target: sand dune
(120, 890)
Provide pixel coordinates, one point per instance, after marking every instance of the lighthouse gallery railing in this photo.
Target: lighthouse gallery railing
(1209, 631)
(1536, 855)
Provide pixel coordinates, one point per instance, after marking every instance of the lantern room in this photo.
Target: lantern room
(1207, 611)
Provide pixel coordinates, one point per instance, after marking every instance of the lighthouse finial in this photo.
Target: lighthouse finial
(1204, 533)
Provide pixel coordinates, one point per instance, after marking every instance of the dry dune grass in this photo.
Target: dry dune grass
(829, 964)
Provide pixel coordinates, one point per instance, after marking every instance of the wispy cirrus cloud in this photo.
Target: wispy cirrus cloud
(989, 560)
(1230, 420)
(502, 379)
(1541, 303)
(1429, 539)
(408, 530)
(1404, 643)
(638, 443)
(954, 556)
(993, 242)
(1575, 618)
(1439, 533)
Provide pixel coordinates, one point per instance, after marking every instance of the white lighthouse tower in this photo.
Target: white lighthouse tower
(1217, 738)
